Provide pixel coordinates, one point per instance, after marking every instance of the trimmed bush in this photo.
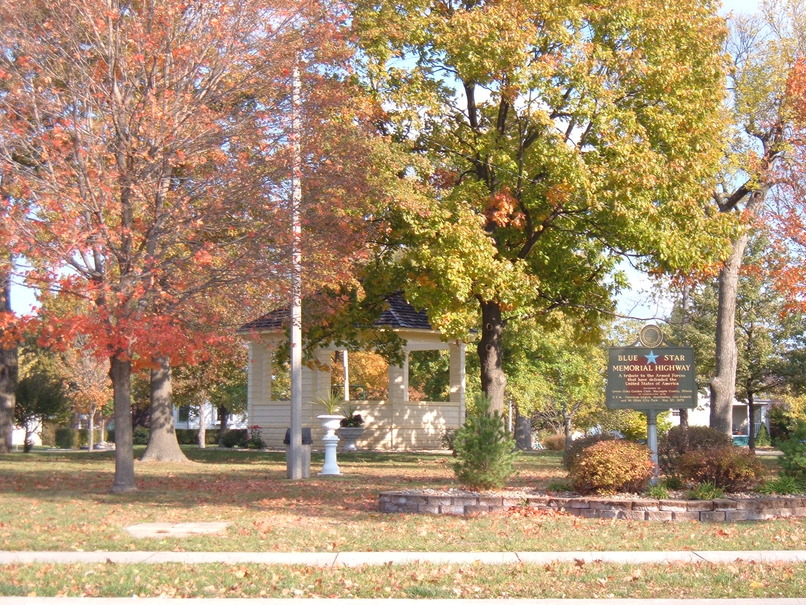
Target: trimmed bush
(485, 451)
(235, 438)
(191, 436)
(66, 438)
(578, 445)
(48, 434)
(140, 436)
(611, 466)
(793, 462)
(678, 441)
(554, 442)
(730, 468)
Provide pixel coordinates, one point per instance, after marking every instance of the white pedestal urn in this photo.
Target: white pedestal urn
(330, 422)
(350, 434)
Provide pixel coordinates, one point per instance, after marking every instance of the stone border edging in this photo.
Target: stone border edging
(639, 509)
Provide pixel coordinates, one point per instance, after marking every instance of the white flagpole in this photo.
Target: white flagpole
(294, 461)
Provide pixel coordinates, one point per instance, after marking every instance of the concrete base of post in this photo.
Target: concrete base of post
(331, 466)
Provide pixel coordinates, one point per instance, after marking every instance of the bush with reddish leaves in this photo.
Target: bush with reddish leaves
(578, 445)
(612, 466)
(554, 442)
(678, 441)
(731, 468)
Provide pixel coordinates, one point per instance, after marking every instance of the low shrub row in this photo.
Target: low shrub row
(698, 456)
(611, 466)
(69, 438)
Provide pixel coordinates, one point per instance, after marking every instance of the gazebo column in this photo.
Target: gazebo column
(398, 397)
(458, 377)
(321, 379)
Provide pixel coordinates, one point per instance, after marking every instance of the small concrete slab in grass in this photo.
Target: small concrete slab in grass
(176, 530)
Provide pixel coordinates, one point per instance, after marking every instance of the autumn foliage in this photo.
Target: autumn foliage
(148, 148)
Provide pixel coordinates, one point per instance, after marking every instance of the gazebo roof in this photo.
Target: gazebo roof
(399, 314)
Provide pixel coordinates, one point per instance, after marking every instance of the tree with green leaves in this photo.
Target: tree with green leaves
(554, 376)
(40, 394)
(545, 140)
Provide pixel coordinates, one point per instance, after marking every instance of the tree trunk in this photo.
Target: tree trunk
(491, 348)
(751, 424)
(223, 419)
(121, 373)
(568, 427)
(202, 426)
(91, 426)
(163, 445)
(723, 384)
(683, 418)
(28, 444)
(8, 375)
(523, 431)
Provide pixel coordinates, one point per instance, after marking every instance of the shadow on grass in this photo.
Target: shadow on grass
(244, 479)
(253, 480)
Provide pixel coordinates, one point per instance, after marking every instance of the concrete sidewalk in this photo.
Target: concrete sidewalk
(354, 559)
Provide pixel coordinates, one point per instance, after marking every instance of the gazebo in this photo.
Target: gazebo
(395, 423)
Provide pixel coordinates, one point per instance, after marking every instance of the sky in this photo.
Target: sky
(638, 301)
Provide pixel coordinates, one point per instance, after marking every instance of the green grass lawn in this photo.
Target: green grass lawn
(61, 501)
(593, 580)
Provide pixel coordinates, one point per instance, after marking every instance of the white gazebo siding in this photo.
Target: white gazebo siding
(393, 424)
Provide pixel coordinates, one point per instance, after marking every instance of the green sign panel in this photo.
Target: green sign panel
(657, 378)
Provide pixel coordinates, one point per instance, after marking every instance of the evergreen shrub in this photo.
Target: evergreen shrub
(235, 438)
(793, 462)
(729, 468)
(485, 451)
(191, 436)
(677, 441)
(66, 438)
(140, 436)
(763, 437)
(781, 422)
(611, 466)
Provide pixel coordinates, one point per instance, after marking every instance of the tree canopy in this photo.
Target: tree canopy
(548, 138)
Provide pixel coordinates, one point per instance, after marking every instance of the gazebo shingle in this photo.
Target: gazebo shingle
(400, 314)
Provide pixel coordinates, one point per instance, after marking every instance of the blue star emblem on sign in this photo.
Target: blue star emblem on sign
(651, 358)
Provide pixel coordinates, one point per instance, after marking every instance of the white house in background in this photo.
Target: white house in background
(18, 437)
(186, 417)
(395, 423)
(701, 415)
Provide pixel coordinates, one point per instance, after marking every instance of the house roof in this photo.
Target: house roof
(398, 314)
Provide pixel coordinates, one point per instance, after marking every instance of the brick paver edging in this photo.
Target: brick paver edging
(723, 509)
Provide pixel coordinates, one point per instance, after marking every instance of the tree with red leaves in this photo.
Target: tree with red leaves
(150, 147)
(764, 49)
(788, 212)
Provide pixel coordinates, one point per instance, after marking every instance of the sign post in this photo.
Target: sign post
(651, 376)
